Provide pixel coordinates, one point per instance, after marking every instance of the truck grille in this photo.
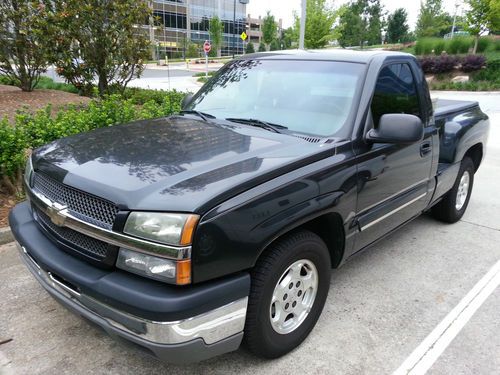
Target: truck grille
(89, 246)
(85, 206)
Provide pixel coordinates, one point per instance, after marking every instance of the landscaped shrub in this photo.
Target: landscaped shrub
(141, 96)
(471, 63)
(13, 145)
(483, 44)
(438, 64)
(424, 46)
(490, 74)
(439, 46)
(459, 45)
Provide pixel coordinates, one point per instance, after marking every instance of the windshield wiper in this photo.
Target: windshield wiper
(259, 123)
(203, 115)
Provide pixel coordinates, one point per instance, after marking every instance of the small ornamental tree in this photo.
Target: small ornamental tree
(269, 29)
(482, 16)
(262, 47)
(215, 32)
(397, 26)
(25, 41)
(250, 48)
(100, 40)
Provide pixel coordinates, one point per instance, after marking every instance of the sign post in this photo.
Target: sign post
(206, 47)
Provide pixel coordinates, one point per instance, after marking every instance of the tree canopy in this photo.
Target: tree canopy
(432, 20)
(25, 40)
(215, 32)
(397, 26)
(483, 15)
(320, 18)
(269, 28)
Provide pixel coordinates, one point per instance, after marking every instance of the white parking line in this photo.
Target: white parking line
(424, 356)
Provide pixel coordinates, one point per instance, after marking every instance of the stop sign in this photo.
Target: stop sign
(207, 46)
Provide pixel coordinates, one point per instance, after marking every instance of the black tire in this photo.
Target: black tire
(260, 336)
(446, 209)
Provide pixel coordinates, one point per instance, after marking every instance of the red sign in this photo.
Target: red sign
(207, 46)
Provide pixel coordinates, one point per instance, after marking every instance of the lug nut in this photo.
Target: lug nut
(285, 297)
(298, 284)
(287, 306)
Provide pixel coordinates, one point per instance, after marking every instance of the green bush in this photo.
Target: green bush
(50, 84)
(484, 44)
(439, 46)
(459, 45)
(424, 46)
(490, 74)
(33, 130)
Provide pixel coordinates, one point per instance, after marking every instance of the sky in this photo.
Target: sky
(284, 8)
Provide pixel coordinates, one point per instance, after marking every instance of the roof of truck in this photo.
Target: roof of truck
(334, 54)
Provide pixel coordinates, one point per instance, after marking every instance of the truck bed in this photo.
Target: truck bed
(445, 107)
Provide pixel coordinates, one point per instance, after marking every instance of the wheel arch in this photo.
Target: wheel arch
(328, 226)
(475, 152)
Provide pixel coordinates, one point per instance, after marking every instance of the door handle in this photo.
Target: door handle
(425, 148)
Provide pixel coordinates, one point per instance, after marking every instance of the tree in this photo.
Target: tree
(25, 41)
(215, 32)
(269, 29)
(482, 16)
(360, 22)
(274, 46)
(100, 39)
(289, 38)
(262, 47)
(432, 20)
(319, 23)
(397, 26)
(250, 48)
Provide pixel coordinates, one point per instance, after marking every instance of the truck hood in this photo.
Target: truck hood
(177, 163)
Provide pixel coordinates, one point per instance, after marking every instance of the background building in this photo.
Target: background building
(176, 22)
(254, 30)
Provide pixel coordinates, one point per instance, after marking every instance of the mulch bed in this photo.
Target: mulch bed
(13, 99)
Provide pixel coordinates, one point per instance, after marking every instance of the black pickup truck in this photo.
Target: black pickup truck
(189, 234)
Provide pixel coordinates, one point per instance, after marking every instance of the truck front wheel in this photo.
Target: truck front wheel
(453, 205)
(289, 288)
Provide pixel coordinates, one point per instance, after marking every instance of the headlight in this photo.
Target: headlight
(28, 171)
(167, 270)
(168, 228)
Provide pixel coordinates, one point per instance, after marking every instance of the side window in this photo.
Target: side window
(395, 92)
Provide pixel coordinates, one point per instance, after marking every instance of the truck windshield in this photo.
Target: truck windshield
(311, 97)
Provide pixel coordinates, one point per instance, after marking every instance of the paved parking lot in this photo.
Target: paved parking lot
(382, 305)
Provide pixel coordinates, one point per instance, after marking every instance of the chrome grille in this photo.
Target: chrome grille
(85, 206)
(89, 245)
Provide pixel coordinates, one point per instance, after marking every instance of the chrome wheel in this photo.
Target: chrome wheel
(463, 191)
(293, 296)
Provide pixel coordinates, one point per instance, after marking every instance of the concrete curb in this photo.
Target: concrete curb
(5, 235)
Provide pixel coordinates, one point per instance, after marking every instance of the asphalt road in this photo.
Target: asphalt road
(381, 306)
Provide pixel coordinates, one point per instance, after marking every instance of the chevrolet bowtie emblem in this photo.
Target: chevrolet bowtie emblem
(55, 213)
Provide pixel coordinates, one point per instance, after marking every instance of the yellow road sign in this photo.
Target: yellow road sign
(243, 35)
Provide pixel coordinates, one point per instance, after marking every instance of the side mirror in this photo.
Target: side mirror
(397, 128)
(187, 99)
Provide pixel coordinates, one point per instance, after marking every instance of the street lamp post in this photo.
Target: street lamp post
(454, 20)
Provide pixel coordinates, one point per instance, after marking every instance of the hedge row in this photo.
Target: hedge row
(33, 130)
(458, 45)
(487, 79)
(447, 63)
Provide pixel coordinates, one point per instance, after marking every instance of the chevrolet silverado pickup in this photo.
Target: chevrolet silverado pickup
(192, 234)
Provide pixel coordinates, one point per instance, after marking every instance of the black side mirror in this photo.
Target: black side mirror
(187, 99)
(397, 128)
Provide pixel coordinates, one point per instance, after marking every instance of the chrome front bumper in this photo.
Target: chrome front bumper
(219, 330)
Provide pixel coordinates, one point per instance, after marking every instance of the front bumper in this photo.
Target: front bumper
(187, 334)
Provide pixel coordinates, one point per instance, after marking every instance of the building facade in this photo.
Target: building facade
(254, 30)
(175, 23)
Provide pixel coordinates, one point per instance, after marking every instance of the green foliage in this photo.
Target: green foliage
(215, 32)
(289, 38)
(457, 45)
(49, 84)
(269, 28)
(360, 23)
(25, 40)
(432, 20)
(274, 46)
(397, 26)
(249, 48)
(100, 39)
(262, 47)
(319, 22)
(490, 74)
(483, 15)
(33, 130)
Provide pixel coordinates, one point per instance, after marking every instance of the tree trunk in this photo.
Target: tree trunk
(476, 41)
(103, 84)
(8, 185)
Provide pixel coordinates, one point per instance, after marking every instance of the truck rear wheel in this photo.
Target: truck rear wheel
(289, 288)
(452, 207)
